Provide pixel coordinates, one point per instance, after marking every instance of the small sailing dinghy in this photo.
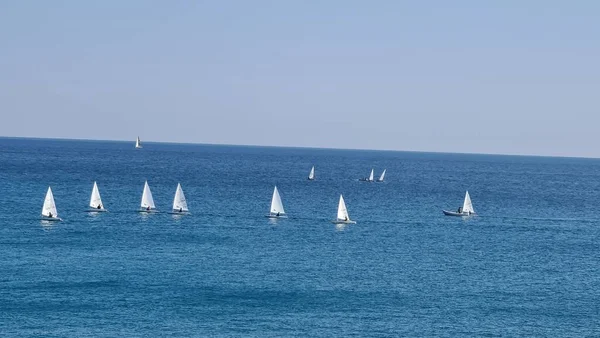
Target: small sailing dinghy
(311, 176)
(368, 179)
(380, 179)
(465, 210)
(49, 212)
(95, 200)
(342, 214)
(138, 143)
(276, 206)
(147, 204)
(180, 206)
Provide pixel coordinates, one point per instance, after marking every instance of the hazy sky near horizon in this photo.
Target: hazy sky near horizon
(514, 77)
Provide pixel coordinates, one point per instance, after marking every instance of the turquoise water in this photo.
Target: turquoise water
(527, 265)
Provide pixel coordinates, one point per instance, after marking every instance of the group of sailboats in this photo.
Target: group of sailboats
(49, 212)
(277, 210)
(371, 177)
(180, 206)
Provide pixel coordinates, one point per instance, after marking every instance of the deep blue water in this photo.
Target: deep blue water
(527, 265)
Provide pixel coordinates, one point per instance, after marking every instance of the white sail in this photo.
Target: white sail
(179, 202)
(311, 176)
(147, 200)
(382, 176)
(467, 205)
(138, 143)
(342, 214)
(371, 176)
(276, 205)
(95, 199)
(49, 208)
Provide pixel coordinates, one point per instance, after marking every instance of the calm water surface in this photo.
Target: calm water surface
(528, 265)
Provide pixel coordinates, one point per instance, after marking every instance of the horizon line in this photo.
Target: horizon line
(296, 147)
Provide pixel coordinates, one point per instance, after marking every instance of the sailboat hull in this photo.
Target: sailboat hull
(335, 221)
(176, 212)
(459, 214)
(96, 210)
(51, 219)
(275, 216)
(152, 211)
(365, 180)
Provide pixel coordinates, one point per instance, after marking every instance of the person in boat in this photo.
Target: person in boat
(345, 218)
(180, 209)
(460, 210)
(148, 208)
(277, 215)
(99, 207)
(50, 215)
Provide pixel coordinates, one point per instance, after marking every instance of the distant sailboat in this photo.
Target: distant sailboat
(49, 212)
(276, 206)
(311, 176)
(138, 143)
(342, 213)
(368, 179)
(95, 200)
(465, 210)
(380, 179)
(179, 203)
(147, 204)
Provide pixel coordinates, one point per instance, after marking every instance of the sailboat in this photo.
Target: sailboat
(49, 212)
(465, 210)
(276, 206)
(179, 203)
(368, 179)
(147, 204)
(380, 179)
(95, 200)
(138, 143)
(342, 213)
(311, 176)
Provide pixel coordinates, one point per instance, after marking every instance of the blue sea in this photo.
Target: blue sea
(527, 265)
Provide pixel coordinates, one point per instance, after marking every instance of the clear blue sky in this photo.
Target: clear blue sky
(516, 77)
